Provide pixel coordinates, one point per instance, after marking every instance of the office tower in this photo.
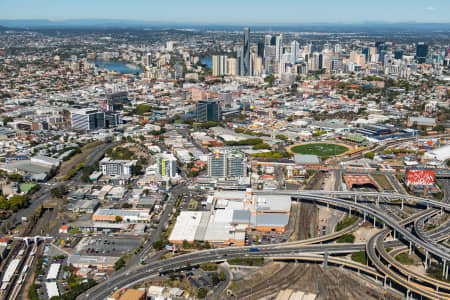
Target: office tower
(112, 119)
(326, 61)
(232, 67)
(167, 165)
(267, 40)
(227, 164)
(226, 98)
(257, 65)
(245, 59)
(178, 68)
(335, 64)
(208, 110)
(148, 59)
(87, 119)
(295, 47)
(260, 51)
(398, 53)
(421, 52)
(278, 47)
(388, 59)
(381, 50)
(169, 46)
(219, 65)
(366, 52)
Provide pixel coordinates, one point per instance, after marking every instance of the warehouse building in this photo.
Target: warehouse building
(232, 214)
(127, 215)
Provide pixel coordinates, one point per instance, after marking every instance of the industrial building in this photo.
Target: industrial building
(127, 215)
(232, 214)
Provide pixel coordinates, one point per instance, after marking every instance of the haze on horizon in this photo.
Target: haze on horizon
(232, 11)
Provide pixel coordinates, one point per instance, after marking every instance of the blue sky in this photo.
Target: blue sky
(232, 11)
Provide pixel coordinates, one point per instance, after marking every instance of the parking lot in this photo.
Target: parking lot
(107, 246)
(258, 238)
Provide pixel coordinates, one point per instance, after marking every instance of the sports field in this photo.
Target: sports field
(320, 149)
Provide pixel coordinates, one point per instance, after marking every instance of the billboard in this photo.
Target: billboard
(420, 177)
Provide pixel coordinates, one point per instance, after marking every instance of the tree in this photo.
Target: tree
(215, 278)
(186, 244)
(222, 276)
(269, 79)
(202, 293)
(370, 155)
(157, 245)
(58, 191)
(118, 219)
(15, 177)
(6, 120)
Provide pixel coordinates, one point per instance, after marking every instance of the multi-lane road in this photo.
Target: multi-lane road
(280, 250)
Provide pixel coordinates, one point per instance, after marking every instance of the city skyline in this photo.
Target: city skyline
(249, 12)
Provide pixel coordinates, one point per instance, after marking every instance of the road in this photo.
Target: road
(103, 290)
(144, 272)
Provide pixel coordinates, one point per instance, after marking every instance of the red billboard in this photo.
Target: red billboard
(420, 177)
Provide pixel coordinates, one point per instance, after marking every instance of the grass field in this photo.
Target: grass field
(320, 149)
(405, 259)
(383, 182)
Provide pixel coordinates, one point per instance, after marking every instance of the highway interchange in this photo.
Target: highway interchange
(300, 250)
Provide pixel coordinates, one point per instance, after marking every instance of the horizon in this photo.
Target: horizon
(287, 12)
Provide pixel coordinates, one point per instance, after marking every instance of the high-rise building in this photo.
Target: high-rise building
(219, 65)
(169, 46)
(294, 51)
(226, 98)
(278, 47)
(260, 51)
(245, 58)
(87, 119)
(366, 52)
(421, 52)
(267, 40)
(148, 59)
(113, 119)
(167, 165)
(208, 110)
(398, 53)
(232, 66)
(227, 164)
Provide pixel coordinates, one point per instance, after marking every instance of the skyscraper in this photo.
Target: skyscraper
(421, 52)
(260, 49)
(245, 59)
(219, 65)
(294, 51)
(208, 110)
(398, 53)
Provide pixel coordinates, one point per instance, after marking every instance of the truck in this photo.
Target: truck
(253, 250)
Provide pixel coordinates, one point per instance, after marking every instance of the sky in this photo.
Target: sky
(232, 11)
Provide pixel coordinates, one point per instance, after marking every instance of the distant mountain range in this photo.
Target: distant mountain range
(114, 23)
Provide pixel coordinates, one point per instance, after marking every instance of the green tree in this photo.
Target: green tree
(157, 245)
(269, 79)
(202, 293)
(370, 155)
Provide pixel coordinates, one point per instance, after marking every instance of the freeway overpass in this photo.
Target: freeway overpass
(142, 273)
